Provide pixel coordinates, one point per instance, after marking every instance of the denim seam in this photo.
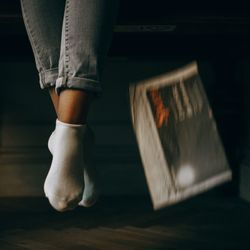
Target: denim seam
(31, 35)
(66, 42)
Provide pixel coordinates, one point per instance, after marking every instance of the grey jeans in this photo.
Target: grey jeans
(70, 40)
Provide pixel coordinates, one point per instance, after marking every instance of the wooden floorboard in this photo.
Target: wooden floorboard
(215, 220)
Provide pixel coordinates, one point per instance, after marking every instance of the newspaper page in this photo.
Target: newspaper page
(178, 141)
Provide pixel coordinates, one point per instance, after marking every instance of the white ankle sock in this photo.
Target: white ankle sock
(91, 187)
(64, 183)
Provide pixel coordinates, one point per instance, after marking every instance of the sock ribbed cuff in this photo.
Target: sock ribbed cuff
(58, 122)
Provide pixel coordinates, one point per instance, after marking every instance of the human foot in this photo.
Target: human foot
(91, 187)
(65, 182)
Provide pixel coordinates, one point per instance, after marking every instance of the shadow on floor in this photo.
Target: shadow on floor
(214, 220)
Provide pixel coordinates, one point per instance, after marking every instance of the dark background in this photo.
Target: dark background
(215, 34)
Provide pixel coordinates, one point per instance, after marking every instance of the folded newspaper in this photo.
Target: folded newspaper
(177, 136)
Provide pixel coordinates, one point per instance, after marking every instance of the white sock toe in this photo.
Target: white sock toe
(91, 193)
(91, 179)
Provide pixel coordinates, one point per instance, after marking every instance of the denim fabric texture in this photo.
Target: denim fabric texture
(70, 40)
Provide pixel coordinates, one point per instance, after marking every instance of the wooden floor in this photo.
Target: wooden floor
(215, 220)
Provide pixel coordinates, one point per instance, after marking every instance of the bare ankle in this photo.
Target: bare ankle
(73, 106)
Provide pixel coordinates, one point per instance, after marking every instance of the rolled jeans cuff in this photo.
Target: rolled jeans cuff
(47, 78)
(72, 82)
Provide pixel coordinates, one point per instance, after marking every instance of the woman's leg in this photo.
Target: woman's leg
(86, 37)
(91, 178)
(42, 20)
